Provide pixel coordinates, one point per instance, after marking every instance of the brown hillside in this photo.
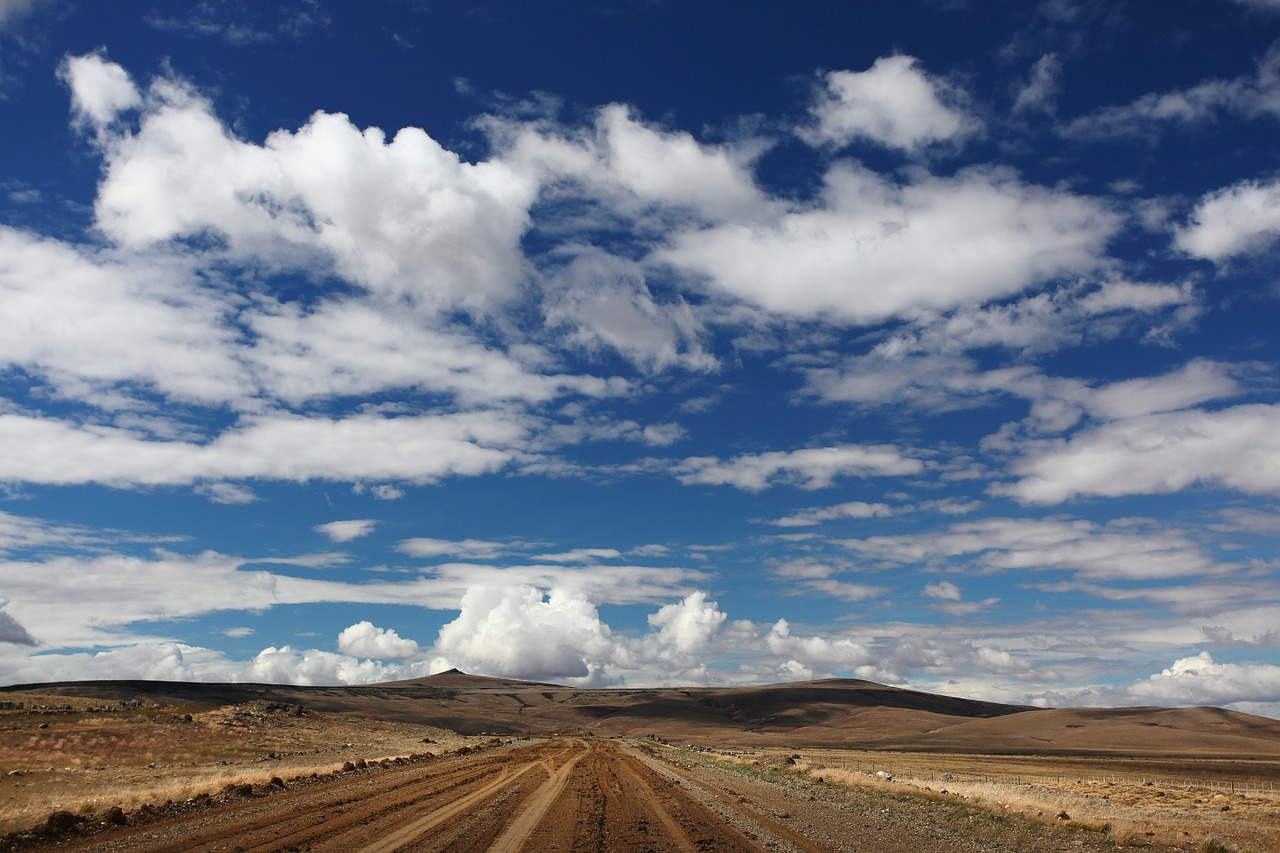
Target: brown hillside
(837, 713)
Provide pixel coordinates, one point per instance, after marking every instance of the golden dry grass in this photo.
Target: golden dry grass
(1133, 812)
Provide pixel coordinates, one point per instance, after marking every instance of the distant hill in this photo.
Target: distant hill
(831, 713)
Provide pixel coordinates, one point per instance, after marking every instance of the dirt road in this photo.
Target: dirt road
(562, 794)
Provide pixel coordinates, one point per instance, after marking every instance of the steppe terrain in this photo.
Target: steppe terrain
(459, 762)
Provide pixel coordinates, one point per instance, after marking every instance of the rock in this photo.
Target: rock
(1062, 815)
(62, 821)
(115, 816)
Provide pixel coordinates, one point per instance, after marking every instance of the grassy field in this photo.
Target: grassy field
(1135, 801)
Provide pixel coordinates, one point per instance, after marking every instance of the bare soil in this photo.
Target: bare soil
(579, 794)
(170, 766)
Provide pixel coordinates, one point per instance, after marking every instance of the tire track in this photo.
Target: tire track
(536, 806)
(734, 803)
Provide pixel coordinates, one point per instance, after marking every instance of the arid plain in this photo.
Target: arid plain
(460, 762)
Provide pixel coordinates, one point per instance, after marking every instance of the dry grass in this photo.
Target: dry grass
(1132, 813)
(87, 762)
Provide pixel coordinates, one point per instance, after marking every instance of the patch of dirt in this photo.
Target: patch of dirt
(85, 762)
(580, 794)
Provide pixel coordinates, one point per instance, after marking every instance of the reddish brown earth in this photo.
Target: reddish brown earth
(578, 794)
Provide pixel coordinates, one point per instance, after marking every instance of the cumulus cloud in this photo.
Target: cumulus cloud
(1235, 220)
(690, 626)
(345, 531)
(870, 249)
(405, 218)
(1200, 680)
(1251, 687)
(100, 89)
(813, 468)
(893, 103)
(519, 632)
(366, 640)
(1234, 448)
(11, 631)
(632, 167)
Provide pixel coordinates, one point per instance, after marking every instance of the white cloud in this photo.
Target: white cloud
(517, 632)
(604, 302)
(893, 103)
(822, 652)
(1251, 687)
(12, 10)
(406, 219)
(633, 167)
(1248, 95)
(813, 468)
(1241, 218)
(11, 631)
(871, 249)
(226, 493)
(471, 549)
(416, 449)
(100, 90)
(1129, 549)
(690, 626)
(345, 531)
(1199, 680)
(1235, 448)
(366, 640)
(580, 555)
(88, 321)
(1042, 86)
(944, 590)
(843, 590)
(849, 509)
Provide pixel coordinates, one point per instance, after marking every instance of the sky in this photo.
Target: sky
(644, 343)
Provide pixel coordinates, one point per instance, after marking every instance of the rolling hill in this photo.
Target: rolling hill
(830, 713)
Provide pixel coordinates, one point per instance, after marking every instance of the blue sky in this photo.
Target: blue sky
(636, 343)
